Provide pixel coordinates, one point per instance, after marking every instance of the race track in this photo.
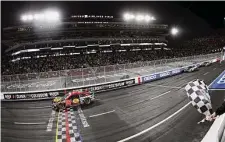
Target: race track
(116, 115)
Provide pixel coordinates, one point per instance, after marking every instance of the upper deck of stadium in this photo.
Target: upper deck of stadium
(81, 28)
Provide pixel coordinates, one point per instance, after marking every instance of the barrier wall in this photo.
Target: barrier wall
(161, 75)
(49, 94)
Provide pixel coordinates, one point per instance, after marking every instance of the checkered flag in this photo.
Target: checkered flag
(197, 92)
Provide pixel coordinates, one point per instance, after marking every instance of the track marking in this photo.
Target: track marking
(214, 69)
(101, 113)
(146, 100)
(160, 95)
(41, 107)
(56, 135)
(67, 127)
(82, 117)
(50, 121)
(154, 126)
(206, 73)
(24, 123)
(164, 86)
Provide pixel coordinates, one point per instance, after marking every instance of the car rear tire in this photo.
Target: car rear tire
(87, 101)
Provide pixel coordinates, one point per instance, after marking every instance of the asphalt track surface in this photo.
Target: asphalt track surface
(119, 114)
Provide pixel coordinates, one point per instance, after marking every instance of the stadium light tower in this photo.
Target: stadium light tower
(138, 17)
(46, 16)
(174, 31)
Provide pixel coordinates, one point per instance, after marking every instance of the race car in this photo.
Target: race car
(191, 68)
(207, 64)
(125, 77)
(73, 99)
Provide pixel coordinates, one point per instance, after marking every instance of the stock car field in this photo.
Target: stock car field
(130, 114)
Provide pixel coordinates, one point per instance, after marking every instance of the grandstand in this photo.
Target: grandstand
(87, 49)
(77, 41)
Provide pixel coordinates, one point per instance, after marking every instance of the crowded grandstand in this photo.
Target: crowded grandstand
(129, 75)
(89, 41)
(88, 46)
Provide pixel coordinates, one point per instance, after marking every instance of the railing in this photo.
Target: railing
(93, 75)
(216, 132)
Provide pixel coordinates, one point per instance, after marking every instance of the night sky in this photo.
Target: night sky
(194, 18)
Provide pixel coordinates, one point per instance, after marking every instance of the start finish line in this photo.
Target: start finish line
(219, 82)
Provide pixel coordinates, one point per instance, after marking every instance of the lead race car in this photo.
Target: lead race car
(191, 68)
(73, 99)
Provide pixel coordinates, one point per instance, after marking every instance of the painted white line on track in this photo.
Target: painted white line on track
(214, 69)
(206, 73)
(102, 113)
(82, 117)
(50, 121)
(24, 123)
(41, 107)
(165, 86)
(156, 125)
(160, 95)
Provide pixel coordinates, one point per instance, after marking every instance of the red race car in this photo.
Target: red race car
(72, 99)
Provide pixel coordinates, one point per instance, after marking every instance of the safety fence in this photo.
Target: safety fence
(94, 75)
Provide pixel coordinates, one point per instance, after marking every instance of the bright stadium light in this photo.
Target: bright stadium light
(147, 18)
(30, 17)
(36, 16)
(24, 17)
(174, 31)
(46, 16)
(153, 18)
(52, 15)
(128, 16)
(140, 17)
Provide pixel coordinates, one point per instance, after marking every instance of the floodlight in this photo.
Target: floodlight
(132, 16)
(139, 17)
(147, 18)
(41, 16)
(36, 16)
(126, 16)
(174, 31)
(24, 17)
(30, 17)
(52, 15)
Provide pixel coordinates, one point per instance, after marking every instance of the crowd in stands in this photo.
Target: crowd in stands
(53, 63)
(205, 43)
(113, 37)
